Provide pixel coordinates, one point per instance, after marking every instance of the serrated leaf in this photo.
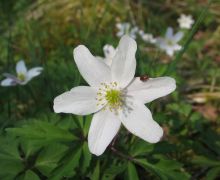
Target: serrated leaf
(67, 165)
(10, 161)
(49, 157)
(42, 131)
(164, 168)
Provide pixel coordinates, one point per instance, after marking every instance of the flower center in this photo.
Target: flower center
(21, 76)
(114, 98)
(111, 95)
(170, 42)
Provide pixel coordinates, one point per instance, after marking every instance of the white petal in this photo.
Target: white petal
(139, 121)
(141, 32)
(178, 36)
(24, 82)
(151, 89)
(120, 33)
(7, 75)
(169, 33)
(109, 51)
(79, 100)
(170, 51)
(124, 62)
(161, 43)
(8, 82)
(21, 68)
(93, 70)
(104, 127)
(177, 47)
(34, 72)
(107, 61)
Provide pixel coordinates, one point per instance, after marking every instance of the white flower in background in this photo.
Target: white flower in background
(115, 96)
(147, 37)
(109, 52)
(170, 42)
(125, 28)
(23, 75)
(133, 32)
(185, 21)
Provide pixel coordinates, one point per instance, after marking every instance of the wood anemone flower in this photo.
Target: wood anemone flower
(115, 96)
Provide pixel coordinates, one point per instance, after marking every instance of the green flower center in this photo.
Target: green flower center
(170, 42)
(114, 98)
(111, 95)
(21, 76)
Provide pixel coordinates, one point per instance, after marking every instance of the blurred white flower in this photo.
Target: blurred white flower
(126, 29)
(147, 37)
(23, 75)
(115, 96)
(109, 52)
(170, 42)
(185, 21)
(141, 32)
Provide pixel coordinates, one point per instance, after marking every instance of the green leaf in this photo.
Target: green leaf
(213, 173)
(86, 157)
(164, 168)
(140, 148)
(86, 126)
(42, 131)
(182, 108)
(204, 161)
(29, 147)
(9, 148)
(49, 157)
(96, 173)
(67, 165)
(10, 161)
(30, 175)
(113, 171)
(132, 172)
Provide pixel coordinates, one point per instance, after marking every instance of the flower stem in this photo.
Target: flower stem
(32, 93)
(121, 154)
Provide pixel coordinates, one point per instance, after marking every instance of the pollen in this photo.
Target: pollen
(21, 76)
(111, 95)
(114, 98)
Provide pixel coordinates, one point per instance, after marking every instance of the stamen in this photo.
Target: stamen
(110, 95)
(21, 76)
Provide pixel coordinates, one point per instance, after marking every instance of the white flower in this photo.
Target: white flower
(109, 52)
(23, 75)
(141, 32)
(147, 37)
(115, 96)
(170, 42)
(125, 28)
(185, 21)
